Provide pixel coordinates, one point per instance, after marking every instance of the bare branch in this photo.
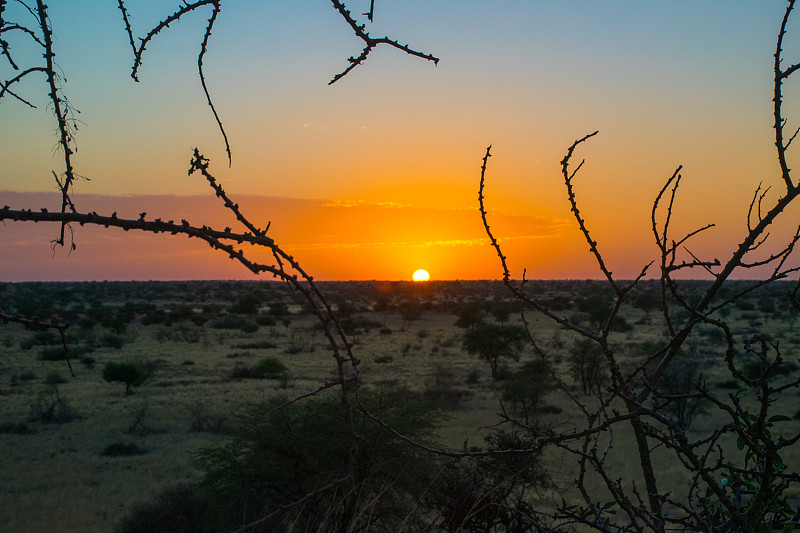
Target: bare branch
(370, 43)
(777, 99)
(38, 324)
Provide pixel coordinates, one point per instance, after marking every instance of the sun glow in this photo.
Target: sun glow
(421, 275)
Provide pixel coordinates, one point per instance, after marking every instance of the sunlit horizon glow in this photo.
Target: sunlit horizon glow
(377, 174)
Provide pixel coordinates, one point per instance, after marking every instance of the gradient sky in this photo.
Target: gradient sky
(377, 175)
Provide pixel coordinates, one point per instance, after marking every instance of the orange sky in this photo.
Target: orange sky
(377, 175)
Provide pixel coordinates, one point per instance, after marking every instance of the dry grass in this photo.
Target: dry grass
(56, 477)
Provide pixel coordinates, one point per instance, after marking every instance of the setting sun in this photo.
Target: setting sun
(420, 275)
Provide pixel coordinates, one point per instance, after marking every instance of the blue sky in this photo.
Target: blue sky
(666, 83)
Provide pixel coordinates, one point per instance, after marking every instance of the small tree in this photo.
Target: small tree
(681, 386)
(586, 362)
(279, 452)
(247, 304)
(491, 341)
(501, 311)
(410, 310)
(525, 389)
(131, 374)
(470, 315)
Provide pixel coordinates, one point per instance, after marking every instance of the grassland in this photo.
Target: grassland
(78, 452)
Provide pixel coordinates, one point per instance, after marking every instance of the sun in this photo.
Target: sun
(421, 275)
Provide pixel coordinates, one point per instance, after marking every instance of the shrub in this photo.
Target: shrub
(86, 322)
(202, 420)
(112, 340)
(259, 345)
(54, 378)
(440, 390)
(24, 376)
(247, 304)
(235, 322)
(356, 324)
(268, 367)
(182, 509)
(119, 449)
(15, 428)
(56, 353)
(47, 337)
(265, 320)
(492, 341)
(249, 327)
(131, 374)
(279, 455)
(52, 353)
(53, 407)
(524, 390)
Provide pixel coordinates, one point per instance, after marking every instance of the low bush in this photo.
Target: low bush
(182, 509)
(249, 327)
(118, 449)
(258, 345)
(203, 420)
(235, 322)
(47, 337)
(265, 320)
(15, 428)
(52, 353)
(112, 340)
(356, 324)
(52, 407)
(276, 456)
(130, 373)
(56, 353)
(54, 378)
(268, 367)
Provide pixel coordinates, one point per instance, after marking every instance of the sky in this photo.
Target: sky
(377, 175)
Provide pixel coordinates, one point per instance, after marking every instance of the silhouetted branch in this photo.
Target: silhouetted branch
(5, 87)
(371, 13)
(777, 100)
(203, 49)
(640, 389)
(370, 43)
(184, 9)
(568, 176)
(32, 323)
(333, 484)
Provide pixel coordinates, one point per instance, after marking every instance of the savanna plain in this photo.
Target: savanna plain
(80, 451)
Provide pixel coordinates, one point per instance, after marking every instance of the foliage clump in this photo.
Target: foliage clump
(120, 449)
(493, 341)
(268, 367)
(279, 453)
(132, 374)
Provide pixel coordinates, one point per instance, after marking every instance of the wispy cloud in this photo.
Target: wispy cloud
(351, 239)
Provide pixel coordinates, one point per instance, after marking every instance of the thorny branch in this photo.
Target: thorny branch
(189, 7)
(370, 42)
(226, 241)
(38, 324)
(720, 509)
